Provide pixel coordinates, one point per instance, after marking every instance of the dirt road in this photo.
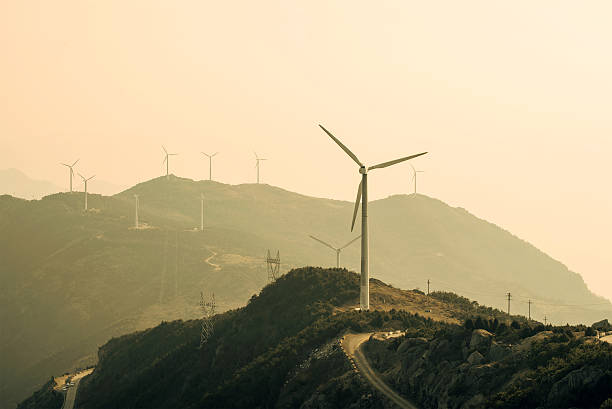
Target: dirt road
(351, 344)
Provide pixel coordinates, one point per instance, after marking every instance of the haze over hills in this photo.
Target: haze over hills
(16, 183)
(80, 278)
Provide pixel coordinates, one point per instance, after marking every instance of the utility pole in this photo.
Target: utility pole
(428, 286)
(529, 310)
(509, 297)
(545, 320)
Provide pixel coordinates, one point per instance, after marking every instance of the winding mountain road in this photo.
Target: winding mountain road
(351, 345)
(216, 267)
(71, 393)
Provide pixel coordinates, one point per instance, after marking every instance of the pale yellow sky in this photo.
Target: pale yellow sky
(512, 99)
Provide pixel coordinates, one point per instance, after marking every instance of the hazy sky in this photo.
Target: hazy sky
(512, 99)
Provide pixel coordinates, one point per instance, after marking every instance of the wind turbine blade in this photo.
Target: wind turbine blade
(350, 242)
(322, 242)
(75, 162)
(214, 153)
(256, 157)
(92, 177)
(82, 177)
(356, 206)
(340, 144)
(165, 159)
(164, 148)
(64, 164)
(204, 153)
(393, 162)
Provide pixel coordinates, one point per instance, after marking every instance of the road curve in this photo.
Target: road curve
(71, 393)
(351, 345)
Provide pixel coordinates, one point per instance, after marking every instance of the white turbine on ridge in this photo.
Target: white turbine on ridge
(85, 180)
(414, 176)
(257, 160)
(337, 250)
(71, 171)
(209, 163)
(362, 196)
(167, 161)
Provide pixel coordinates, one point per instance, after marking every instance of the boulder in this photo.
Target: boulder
(475, 358)
(573, 384)
(409, 343)
(498, 352)
(480, 338)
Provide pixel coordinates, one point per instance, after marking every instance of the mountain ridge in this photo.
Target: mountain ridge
(96, 271)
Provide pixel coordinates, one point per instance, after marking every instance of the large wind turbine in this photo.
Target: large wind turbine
(167, 161)
(257, 160)
(71, 171)
(362, 195)
(414, 176)
(85, 180)
(337, 250)
(209, 163)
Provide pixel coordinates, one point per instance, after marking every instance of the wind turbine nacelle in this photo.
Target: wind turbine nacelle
(363, 170)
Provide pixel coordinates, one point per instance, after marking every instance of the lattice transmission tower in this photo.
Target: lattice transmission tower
(273, 266)
(208, 310)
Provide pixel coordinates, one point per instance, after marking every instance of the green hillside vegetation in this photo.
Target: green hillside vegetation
(45, 398)
(282, 350)
(74, 279)
(513, 366)
(251, 354)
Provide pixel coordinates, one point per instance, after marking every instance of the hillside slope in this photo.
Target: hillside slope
(283, 350)
(74, 279)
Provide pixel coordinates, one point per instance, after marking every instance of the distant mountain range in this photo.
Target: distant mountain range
(16, 183)
(73, 279)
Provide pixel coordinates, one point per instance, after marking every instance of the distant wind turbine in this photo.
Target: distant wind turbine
(362, 195)
(257, 160)
(71, 171)
(85, 180)
(167, 161)
(414, 176)
(337, 250)
(137, 205)
(209, 163)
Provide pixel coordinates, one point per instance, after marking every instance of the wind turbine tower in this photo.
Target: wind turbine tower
(136, 218)
(71, 171)
(209, 163)
(257, 160)
(337, 250)
(414, 176)
(201, 211)
(167, 161)
(362, 196)
(85, 180)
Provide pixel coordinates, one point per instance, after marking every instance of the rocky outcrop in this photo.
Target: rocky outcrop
(475, 358)
(576, 383)
(480, 338)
